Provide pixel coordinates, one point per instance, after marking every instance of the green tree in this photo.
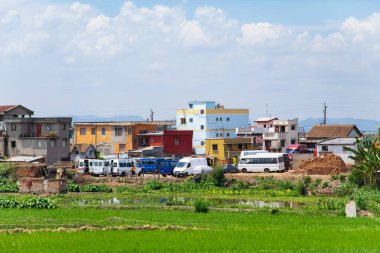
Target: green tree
(367, 162)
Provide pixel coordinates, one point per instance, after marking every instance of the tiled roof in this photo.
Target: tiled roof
(330, 131)
(81, 147)
(4, 108)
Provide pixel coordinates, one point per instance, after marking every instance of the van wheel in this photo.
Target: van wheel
(244, 170)
(122, 174)
(266, 170)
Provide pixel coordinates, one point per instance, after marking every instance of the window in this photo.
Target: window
(183, 121)
(217, 135)
(52, 143)
(121, 147)
(221, 135)
(13, 144)
(292, 141)
(214, 147)
(202, 127)
(64, 143)
(191, 106)
(217, 119)
(293, 127)
(325, 148)
(202, 143)
(63, 126)
(103, 131)
(202, 111)
(228, 134)
(176, 141)
(129, 130)
(228, 119)
(220, 119)
(245, 146)
(118, 131)
(93, 131)
(13, 127)
(240, 146)
(282, 129)
(282, 143)
(191, 120)
(83, 131)
(229, 146)
(265, 126)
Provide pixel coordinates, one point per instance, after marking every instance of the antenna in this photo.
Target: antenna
(151, 114)
(267, 109)
(324, 113)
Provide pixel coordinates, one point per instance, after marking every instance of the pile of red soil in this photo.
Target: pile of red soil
(328, 164)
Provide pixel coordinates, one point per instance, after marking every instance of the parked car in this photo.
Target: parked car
(230, 168)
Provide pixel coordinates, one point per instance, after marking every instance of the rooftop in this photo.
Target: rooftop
(332, 131)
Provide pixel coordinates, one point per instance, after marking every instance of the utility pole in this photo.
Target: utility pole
(267, 110)
(324, 113)
(151, 114)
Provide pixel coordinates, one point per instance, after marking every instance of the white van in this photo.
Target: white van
(120, 167)
(82, 166)
(191, 165)
(262, 162)
(99, 167)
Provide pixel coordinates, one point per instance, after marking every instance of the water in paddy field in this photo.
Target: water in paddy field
(179, 201)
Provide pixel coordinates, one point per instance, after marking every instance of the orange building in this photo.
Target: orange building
(117, 137)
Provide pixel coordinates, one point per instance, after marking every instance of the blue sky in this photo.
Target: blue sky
(116, 57)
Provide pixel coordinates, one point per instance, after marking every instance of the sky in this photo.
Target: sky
(283, 58)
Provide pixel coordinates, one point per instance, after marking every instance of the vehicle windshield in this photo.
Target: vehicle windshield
(181, 165)
(290, 151)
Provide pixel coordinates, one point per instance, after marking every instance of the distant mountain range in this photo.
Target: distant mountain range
(365, 125)
(93, 118)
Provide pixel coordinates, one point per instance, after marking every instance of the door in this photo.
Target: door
(38, 130)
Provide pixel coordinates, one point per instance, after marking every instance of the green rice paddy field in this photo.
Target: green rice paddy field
(158, 228)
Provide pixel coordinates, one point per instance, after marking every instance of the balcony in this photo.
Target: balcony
(46, 135)
(275, 145)
(274, 136)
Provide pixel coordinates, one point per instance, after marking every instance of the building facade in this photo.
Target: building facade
(117, 137)
(177, 143)
(280, 134)
(210, 120)
(47, 137)
(227, 150)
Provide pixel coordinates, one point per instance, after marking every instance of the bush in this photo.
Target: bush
(95, 188)
(217, 175)
(325, 185)
(73, 187)
(357, 177)
(7, 172)
(27, 202)
(240, 185)
(361, 200)
(153, 185)
(201, 206)
(344, 190)
(8, 188)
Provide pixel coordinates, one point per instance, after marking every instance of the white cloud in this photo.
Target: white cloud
(164, 51)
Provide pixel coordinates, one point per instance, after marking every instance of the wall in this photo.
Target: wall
(338, 150)
(185, 143)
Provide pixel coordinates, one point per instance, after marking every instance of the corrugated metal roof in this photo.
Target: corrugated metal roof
(266, 119)
(339, 141)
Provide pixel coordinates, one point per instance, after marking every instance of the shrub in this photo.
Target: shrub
(361, 200)
(153, 185)
(201, 206)
(274, 211)
(8, 188)
(342, 178)
(73, 187)
(27, 202)
(240, 185)
(345, 189)
(357, 177)
(7, 171)
(95, 188)
(325, 185)
(217, 175)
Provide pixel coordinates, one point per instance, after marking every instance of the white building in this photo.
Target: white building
(210, 120)
(280, 134)
(337, 146)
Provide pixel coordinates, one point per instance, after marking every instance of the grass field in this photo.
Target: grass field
(144, 228)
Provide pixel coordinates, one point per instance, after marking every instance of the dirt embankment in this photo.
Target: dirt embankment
(328, 164)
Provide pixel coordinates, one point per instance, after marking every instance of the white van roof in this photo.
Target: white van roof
(265, 155)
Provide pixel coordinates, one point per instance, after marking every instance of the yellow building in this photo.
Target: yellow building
(117, 137)
(227, 150)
